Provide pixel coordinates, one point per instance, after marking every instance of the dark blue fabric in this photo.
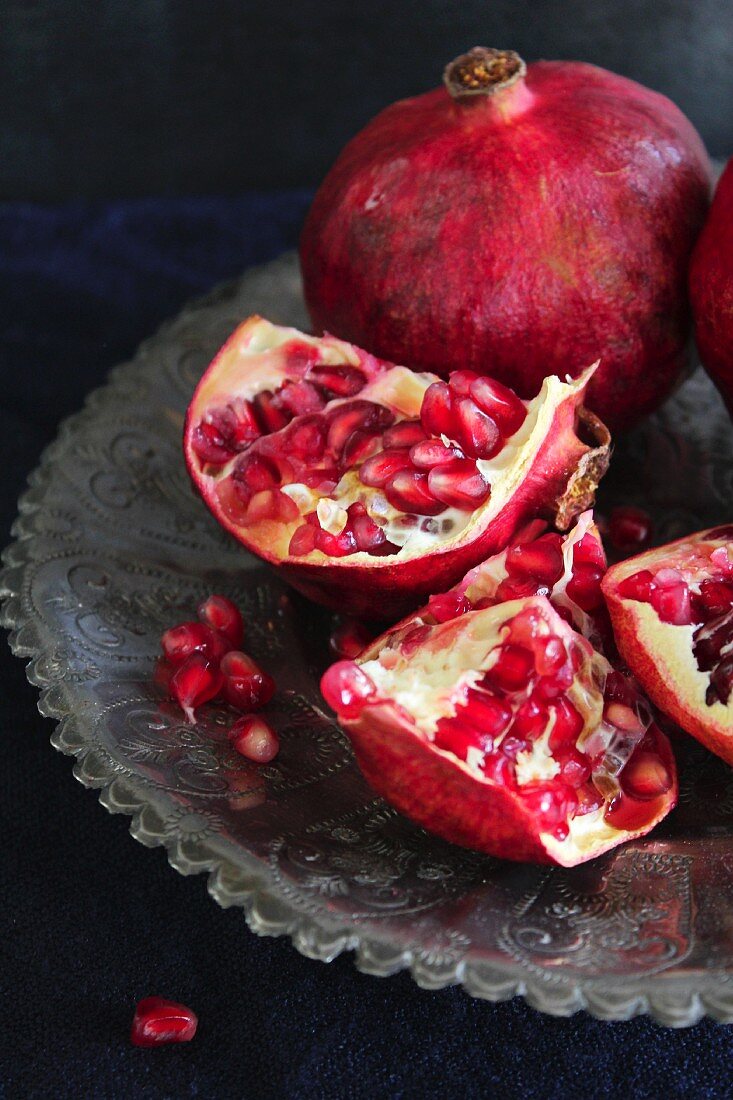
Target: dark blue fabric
(92, 921)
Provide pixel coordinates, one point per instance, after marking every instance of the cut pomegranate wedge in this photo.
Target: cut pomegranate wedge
(672, 614)
(498, 725)
(371, 485)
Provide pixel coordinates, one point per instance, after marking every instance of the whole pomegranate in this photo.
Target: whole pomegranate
(711, 289)
(522, 221)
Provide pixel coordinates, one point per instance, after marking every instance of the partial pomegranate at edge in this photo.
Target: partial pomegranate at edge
(522, 221)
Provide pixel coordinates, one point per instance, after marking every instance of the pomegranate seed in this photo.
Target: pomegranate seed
(550, 655)
(336, 546)
(511, 746)
(359, 446)
(460, 381)
(624, 718)
(221, 614)
(436, 411)
(574, 767)
(515, 588)
(672, 603)
(406, 433)
(513, 668)
(413, 640)
(639, 586)
(476, 433)
(432, 452)
(459, 484)
(716, 597)
(348, 640)
(347, 689)
(157, 1021)
(303, 541)
(721, 557)
(254, 738)
(567, 727)
(408, 491)
(341, 381)
(486, 712)
(453, 735)
(222, 433)
(589, 799)
(501, 403)
(378, 469)
(629, 529)
(645, 776)
(353, 416)
(270, 416)
(180, 642)
(530, 720)
(270, 505)
(550, 687)
(210, 445)
(725, 532)
(300, 398)
(584, 587)
(368, 536)
(721, 682)
(255, 472)
(551, 804)
(589, 551)
(245, 685)
(499, 768)
(195, 682)
(306, 438)
(541, 559)
(447, 606)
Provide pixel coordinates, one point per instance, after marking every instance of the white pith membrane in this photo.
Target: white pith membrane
(257, 358)
(672, 645)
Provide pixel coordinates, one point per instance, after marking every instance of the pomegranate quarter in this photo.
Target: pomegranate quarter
(492, 718)
(370, 485)
(672, 614)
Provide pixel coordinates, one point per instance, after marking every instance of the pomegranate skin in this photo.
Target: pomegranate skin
(711, 289)
(520, 233)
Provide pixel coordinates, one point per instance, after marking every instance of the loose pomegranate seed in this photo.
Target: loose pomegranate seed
(405, 433)
(501, 403)
(348, 640)
(195, 682)
(341, 381)
(433, 452)
(486, 712)
(459, 484)
(476, 433)
(436, 411)
(408, 491)
(381, 467)
(180, 642)
(254, 738)
(541, 559)
(567, 727)
(513, 668)
(672, 603)
(347, 688)
(460, 381)
(303, 541)
(584, 587)
(245, 685)
(301, 398)
(645, 776)
(221, 614)
(453, 735)
(639, 586)
(157, 1021)
(629, 528)
(270, 415)
(447, 606)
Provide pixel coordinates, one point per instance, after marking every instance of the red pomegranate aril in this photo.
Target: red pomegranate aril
(336, 546)
(224, 432)
(629, 528)
(381, 467)
(639, 586)
(433, 452)
(459, 484)
(359, 446)
(574, 767)
(460, 381)
(194, 682)
(645, 776)
(406, 433)
(516, 588)
(341, 381)
(550, 803)
(368, 536)
(501, 403)
(354, 416)
(624, 718)
(672, 603)
(221, 614)
(486, 712)
(550, 655)
(210, 446)
(715, 597)
(256, 473)
(448, 605)
(254, 739)
(306, 439)
(499, 768)
(588, 551)
(721, 683)
(270, 416)
(158, 1021)
(721, 557)
(181, 641)
(513, 668)
(300, 398)
(530, 721)
(584, 587)
(589, 799)
(270, 504)
(456, 736)
(541, 559)
(408, 491)
(303, 541)
(347, 688)
(552, 687)
(476, 433)
(349, 639)
(436, 411)
(567, 727)
(246, 686)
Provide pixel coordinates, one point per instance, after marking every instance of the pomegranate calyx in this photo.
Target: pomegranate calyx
(483, 71)
(579, 493)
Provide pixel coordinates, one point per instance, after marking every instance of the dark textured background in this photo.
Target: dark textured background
(136, 97)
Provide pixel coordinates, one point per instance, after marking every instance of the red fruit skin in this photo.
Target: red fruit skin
(520, 234)
(711, 289)
(646, 646)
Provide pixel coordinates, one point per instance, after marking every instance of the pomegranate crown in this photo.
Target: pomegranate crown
(483, 71)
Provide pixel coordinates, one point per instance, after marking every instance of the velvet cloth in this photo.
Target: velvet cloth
(92, 921)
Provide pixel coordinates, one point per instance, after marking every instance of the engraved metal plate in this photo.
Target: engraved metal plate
(112, 546)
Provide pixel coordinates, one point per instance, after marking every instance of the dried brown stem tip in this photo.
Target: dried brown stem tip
(483, 71)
